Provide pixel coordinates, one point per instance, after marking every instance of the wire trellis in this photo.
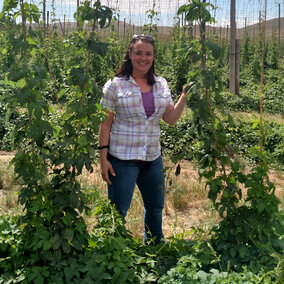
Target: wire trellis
(136, 12)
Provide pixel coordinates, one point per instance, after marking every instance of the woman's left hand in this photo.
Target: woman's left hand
(186, 89)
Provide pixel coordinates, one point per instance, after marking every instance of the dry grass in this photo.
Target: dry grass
(245, 116)
(277, 177)
(186, 206)
(186, 203)
(8, 189)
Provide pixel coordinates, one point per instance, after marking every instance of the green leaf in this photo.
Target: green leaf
(97, 46)
(66, 247)
(78, 76)
(208, 79)
(192, 14)
(9, 5)
(244, 252)
(39, 280)
(67, 220)
(22, 83)
(182, 9)
(69, 234)
(47, 245)
(56, 241)
(16, 75)
(61, 93)
(214, 48)
(39, 129)
(40, 72)
(105, 15)
(177, 157)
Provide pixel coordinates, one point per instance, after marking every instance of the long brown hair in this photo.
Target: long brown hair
(126, 66)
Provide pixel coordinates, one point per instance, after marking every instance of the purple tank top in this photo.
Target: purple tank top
(148, 102)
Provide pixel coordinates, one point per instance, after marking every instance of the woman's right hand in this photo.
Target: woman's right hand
(106, 167)
(104, 137)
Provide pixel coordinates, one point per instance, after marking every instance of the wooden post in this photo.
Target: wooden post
(124, 28)
(24, 19)
(245, 27)
(202, 31)
(78, 4)
(262, 80)
(191, 30)
(227, 33)
(279, 23)
(118, 27)
(214, 25)
(64, 25)
(61, 27)
(233, 67)
(238, 62)
(259, 23)
(43, 16)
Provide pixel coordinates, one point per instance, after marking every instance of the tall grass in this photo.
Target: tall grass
(186, 205)
(8, 190)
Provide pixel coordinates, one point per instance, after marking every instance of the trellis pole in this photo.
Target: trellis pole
(262, 79)
(47, 20)
(279, 29)
(78, 4)
(44, 17)
(124, 28)
(234, 52)
(118, 27)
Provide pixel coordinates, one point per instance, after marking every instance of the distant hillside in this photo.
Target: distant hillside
(271, 27)
(165, 32)
(126, 29)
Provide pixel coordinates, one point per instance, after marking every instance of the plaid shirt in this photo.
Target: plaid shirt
(133, 135)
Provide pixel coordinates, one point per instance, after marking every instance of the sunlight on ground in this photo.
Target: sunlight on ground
(186, 207)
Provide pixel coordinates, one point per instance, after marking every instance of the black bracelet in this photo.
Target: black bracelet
(103, 147)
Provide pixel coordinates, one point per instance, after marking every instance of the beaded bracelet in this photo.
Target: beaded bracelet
(103, 147)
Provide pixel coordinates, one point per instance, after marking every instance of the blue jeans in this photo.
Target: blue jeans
(150, 179)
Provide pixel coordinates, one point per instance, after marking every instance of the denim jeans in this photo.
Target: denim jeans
(149, 177)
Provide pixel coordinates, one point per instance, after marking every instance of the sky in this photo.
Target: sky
(134, 11)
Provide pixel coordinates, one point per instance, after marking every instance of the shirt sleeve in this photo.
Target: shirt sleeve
(108, 99)
(166, 90)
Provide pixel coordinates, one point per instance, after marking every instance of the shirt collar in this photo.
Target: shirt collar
(158, 79)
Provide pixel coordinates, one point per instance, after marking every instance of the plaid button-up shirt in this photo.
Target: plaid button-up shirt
(133, 135)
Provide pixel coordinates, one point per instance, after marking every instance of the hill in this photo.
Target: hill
(164, 32)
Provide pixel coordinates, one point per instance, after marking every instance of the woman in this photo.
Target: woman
(136, 99)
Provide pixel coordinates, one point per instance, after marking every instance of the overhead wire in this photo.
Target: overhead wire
(248, 12)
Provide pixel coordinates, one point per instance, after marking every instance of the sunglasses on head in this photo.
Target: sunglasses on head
(138, 36)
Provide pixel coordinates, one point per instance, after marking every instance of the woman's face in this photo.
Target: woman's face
(141, 56)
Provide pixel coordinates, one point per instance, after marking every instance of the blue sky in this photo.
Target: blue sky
(134, 10)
